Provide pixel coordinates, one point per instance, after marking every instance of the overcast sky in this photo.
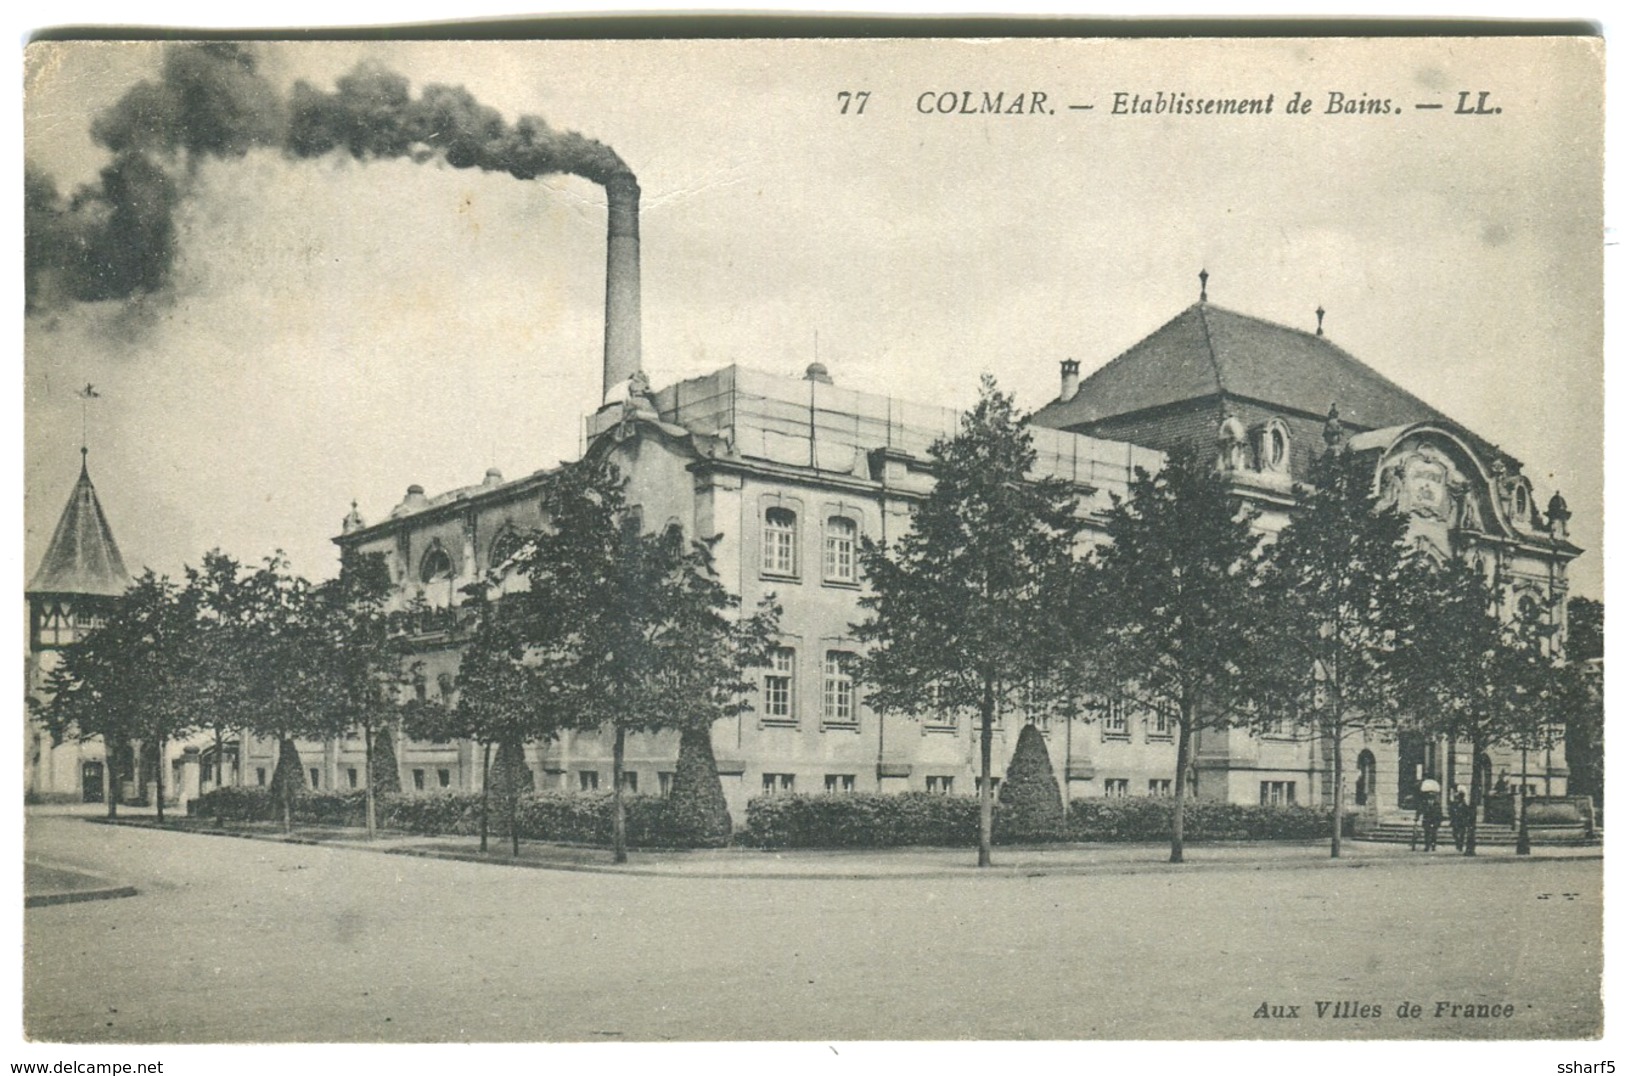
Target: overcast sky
(336, 330)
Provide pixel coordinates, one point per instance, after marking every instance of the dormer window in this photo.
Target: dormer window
(1272, 446)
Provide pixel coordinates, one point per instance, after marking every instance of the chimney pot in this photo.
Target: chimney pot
(1069, 379)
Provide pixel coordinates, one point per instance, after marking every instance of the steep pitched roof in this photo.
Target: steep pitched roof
(83, 558)
(1207, 351)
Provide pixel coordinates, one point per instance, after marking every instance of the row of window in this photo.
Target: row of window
(62, 626)
(781, 546)
(839, 701)
(1117, 787)
(840, 783)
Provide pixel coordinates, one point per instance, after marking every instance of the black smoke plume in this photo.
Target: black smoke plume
(116, 238)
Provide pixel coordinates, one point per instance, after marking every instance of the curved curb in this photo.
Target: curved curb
(1031, 870)
(41, 900)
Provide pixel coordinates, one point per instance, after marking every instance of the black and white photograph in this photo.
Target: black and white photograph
(812, 539)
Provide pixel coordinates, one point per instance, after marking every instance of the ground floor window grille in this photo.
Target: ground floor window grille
(351, 776)
(417, 780)
(1160, 786)
(629, 781)
(775, 783)
(942, 785)
(666, 778)
(315, 778)
(995, 786)
(840, 782)
(1116, 787)
(589, 780)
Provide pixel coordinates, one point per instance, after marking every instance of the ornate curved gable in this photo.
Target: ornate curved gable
(1432, 475)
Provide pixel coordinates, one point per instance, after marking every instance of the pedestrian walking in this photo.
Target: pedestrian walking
(1432, 815)
(1460, 816)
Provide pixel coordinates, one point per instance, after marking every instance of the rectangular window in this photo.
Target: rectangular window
(1277, 793)
(840, 697)
(774, 783)
(629, 780)
(779, 542)
(589, 780)
(840, 550)
(995, 786)
(445, 778)
(1160, 786)
(1161, 722)
(1114, 721)
(840, 782)
(942, 785)
(666, 779)
(779, 685)
(939, 715)
(1116, 787)
(315, 777)
(353, 777)
(417, 780)
(259, 774)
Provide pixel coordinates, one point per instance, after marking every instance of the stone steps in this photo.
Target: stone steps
(1394, 831)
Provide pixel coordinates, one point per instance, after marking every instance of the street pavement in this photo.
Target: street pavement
(232, 940)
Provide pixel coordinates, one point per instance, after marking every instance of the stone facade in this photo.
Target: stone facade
(788, 474)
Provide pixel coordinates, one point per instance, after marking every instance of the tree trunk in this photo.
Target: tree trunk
(485, 800)
(219, 776)
(1472, 811)
(1523, 811)
(1176, 851)
(372, 803)
(513, 810)
(158, 776)
(1337, 786)
(984, 840)
(620, 803)
(115, 786)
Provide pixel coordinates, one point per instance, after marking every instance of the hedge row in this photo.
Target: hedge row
(879, 821)
(864, 820)
(584, 818)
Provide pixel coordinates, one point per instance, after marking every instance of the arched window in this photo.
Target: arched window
(503, 548)
(779, 542)
(436, 571)
(840, 550)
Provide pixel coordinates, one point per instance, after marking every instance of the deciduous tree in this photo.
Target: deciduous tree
(1179, 613)
(630, 631)
(1334, 585)
(964, 610)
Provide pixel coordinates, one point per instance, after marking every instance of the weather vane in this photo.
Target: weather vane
(86, 394)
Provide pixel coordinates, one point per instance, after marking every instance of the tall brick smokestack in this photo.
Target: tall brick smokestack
(623, 331)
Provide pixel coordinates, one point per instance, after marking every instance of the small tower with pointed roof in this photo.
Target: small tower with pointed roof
(79, 581)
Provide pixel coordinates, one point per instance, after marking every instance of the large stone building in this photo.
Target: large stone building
(1265, 397)
(789, 474)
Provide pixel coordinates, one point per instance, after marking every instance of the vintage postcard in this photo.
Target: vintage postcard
(331, 345)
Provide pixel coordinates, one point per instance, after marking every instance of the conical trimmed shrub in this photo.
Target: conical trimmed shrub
(386, 770)
(1030, 807)
(697, 811)
(287, 780)
(509, 774)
